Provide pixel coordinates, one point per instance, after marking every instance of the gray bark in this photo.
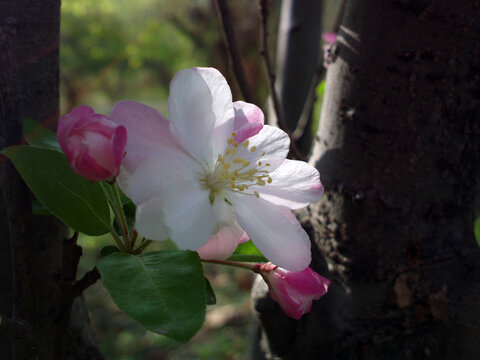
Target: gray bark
(398, 153)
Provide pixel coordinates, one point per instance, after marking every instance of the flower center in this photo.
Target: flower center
(233, 173)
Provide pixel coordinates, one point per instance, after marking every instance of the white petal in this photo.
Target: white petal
(221, 245)
(224, 214)
(274, 230)
(147, 131)
(222, 107)
(295, 184)
(188, 214)
(201, 112)
(270, 147)
(157, 173)
(149, 220)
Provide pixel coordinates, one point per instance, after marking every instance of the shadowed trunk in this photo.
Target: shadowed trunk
(398, 153)
(32, 252)
(298, 61)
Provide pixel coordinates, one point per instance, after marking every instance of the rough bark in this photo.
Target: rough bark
(31, 247)
(398, 153)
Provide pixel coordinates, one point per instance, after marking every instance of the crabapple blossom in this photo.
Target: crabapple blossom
(213, 175)
(294, 291)
(93, 144)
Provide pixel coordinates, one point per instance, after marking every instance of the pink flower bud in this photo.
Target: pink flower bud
(93, 144)
(294, 291)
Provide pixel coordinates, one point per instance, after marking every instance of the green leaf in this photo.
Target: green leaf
(476, 230)
(163, 290)
(38, 135)
(247, 252)
(248, 248)
(109, 249)
(209, 293)
(39, 209)
(77, 202)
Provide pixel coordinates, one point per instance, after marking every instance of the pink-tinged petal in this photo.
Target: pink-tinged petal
(274, 230)
(149, 220)
(85, 165)
(329, 37)
(294, 291)
(248, 122)
(148, 131)
(201, 112)
(119, 144)
(295, 184)
(100, 148)
(90, 143)
(188, 214)
(270, 148)
(157, 173)
(82, 111)
(308, 283)
(222, 244)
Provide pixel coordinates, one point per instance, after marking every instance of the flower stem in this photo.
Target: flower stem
(249, 266)
(117, 239)
(119, 215)
(122, 219)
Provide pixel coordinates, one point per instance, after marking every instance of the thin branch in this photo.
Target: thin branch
(271, 78)
(242, 265)
(234, 55)
(88, 279)
(306, 114)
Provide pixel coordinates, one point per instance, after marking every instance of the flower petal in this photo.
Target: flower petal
(201, 112)
(148, 131)
(157, 173)
(221, 245)
(149, 220)
(274, 230)
(270, 148)
(188, 214)
(295, 184)
(248, 122)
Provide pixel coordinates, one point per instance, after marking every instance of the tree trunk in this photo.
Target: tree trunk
(398, 152)
(298, 61)
(33, 256)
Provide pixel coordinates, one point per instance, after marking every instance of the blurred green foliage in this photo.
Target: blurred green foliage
(119, 49)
